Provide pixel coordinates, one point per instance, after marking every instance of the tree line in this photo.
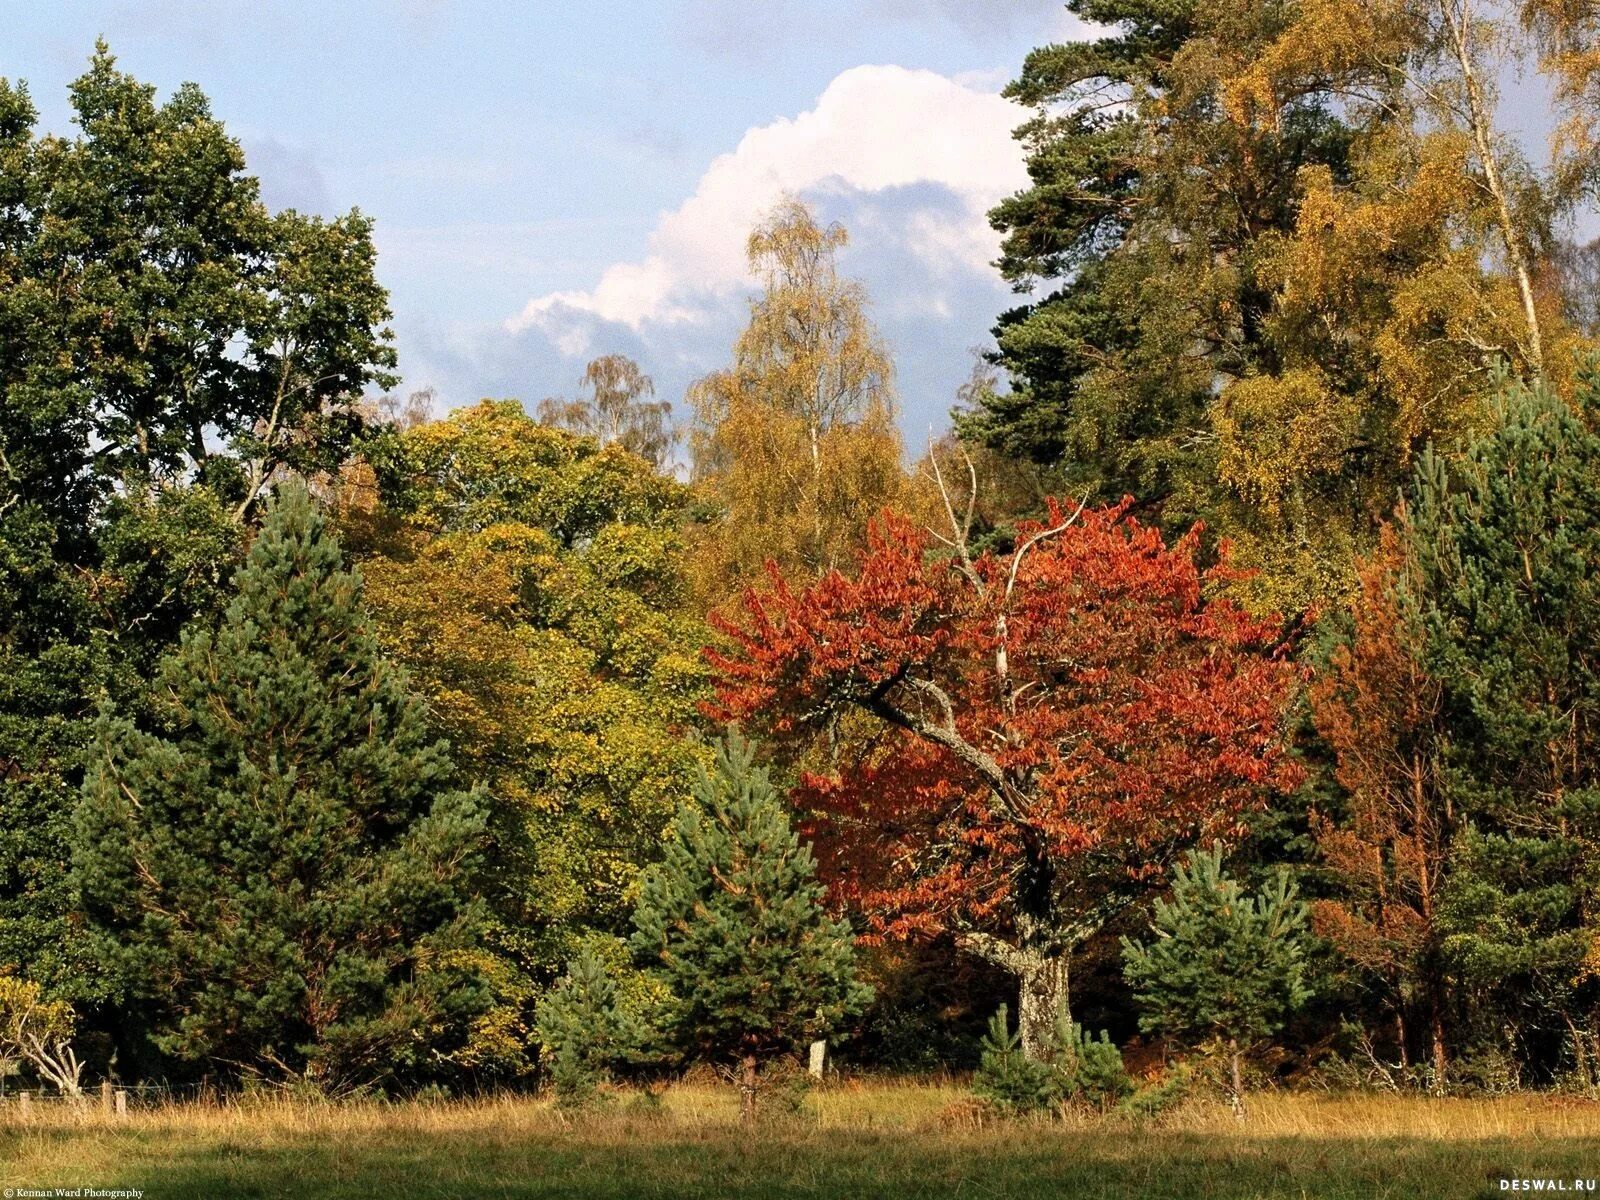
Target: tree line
(1227, 674)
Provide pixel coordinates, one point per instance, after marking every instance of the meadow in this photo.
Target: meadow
(879, 1139)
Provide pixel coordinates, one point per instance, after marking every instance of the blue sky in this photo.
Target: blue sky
(553, 181)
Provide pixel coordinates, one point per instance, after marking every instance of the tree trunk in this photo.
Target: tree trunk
(1236, 1073)
(1436, 1027)
(1481, 120)
(1042, 997)
(747, 1089)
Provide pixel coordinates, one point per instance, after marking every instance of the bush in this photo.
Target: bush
(1157, 1098)
(788, 1087)
(1008, 1077)
(1092, 1067)
(1076, 1067)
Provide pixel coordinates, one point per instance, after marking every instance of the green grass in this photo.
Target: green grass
(885, 1140)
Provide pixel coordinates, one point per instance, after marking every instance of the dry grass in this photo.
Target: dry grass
(879, 1139)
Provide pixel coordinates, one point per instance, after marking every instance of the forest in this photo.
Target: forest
(1212, 710)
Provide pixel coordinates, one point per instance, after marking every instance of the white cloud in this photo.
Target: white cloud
(874, 129)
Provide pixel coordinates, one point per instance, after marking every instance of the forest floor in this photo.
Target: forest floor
(872, 1139)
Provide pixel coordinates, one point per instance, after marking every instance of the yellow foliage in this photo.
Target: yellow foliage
(1274, 431)
(795, 444)
(1328, 39)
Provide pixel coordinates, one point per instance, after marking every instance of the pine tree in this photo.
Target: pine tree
(586, 1030)
(1508, 549)
(1223, 969)
(284, 864)
(733, 924)
(1076, 1065)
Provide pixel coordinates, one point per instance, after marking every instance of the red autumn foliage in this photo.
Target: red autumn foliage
(1046, 731)
(1379, 711)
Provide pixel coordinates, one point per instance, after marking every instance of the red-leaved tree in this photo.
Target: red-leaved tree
(1380, 712)
(1033, 737)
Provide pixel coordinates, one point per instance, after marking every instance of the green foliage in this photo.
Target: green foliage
(282, 865)
(156, 306)
(1008, 1077)
(165, 343)
(535, 591)
(1144, 236)
(1156, 1099)
(586, 1030)
(732, 923)
(1074, 1066)
(1223, 966)
(1507, 545)
(1094, 1066)
(1263, 268)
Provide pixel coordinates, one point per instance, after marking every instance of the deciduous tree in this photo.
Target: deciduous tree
(619, 408)
(1281, 246)
(795, 443)
(1049, 728)
(167, 344)
(534, 584)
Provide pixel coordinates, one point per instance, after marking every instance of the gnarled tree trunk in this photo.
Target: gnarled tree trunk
(1042, 992)
(1042, 997)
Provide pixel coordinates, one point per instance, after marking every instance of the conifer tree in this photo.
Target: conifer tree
(284, 864)
(1508, 549)
(586, 1030)
(1223, 968)
(733, 924)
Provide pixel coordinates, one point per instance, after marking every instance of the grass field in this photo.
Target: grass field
(875, 1140)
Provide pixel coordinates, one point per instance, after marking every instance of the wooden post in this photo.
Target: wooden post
(26, 1101)
(105, 1096)
(819, 1056)
(122, 1103)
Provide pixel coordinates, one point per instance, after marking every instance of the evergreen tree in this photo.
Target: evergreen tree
(733, 924)
(284, 865)
(1508, 550)
(585, 1030)
(1268, 250)
(1075, 1065)
(1223, 969)
(166, 344)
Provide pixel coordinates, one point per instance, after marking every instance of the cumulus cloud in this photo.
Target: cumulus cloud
(875, 130)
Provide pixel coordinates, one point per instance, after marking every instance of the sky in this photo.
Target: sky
(560, 179)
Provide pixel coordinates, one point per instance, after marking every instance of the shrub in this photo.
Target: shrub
(1008, 1077)
(1076, 1066)
(1092, 1066)
(1160, 1097)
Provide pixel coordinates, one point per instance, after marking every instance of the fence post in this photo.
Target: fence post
(26, 1102)
(122, 1103)
(105, 1096)
(819, 1056)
